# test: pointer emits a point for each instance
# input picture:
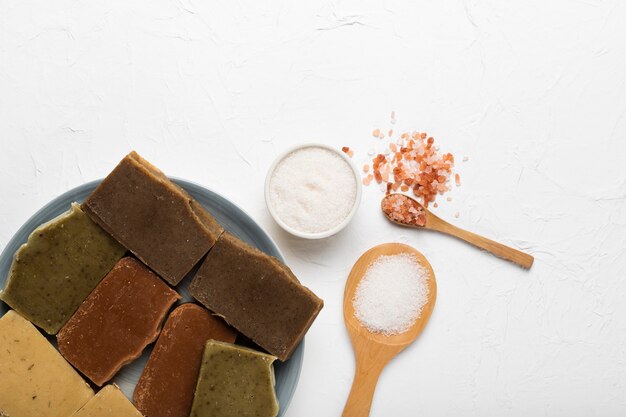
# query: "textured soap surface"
(56, 269)
(167, 383)
(256, 294)
(117, 321)
(153, 217)
(108, 402)
(235, 381)
(34, 379)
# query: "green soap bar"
(56, 269)
(235, 381)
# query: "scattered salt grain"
(313, 190)
(414, 161)
(391, 295)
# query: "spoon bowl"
(374, 350)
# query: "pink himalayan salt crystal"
(413, 161)
(348, 151)
(403, 209)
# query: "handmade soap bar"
(34, 379)
(117, 321)
(56, 269)
(166, 386)
(153, 217)
(235, 381)
(109, 402)
(256, 294)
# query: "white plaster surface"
(534, 92)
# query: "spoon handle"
(522, 259)
(360, 399)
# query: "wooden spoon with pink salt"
(405, 211)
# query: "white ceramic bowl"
(307, 235)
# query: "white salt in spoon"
(428, 220)
(374, 350)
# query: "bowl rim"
(344, 222)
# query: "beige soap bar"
(35, 380)
(109, 402)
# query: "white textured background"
(534, 92)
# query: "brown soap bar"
(256, 294)
(153, 217)
(120, 317)
(167, 383)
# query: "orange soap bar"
(167, 383)
(120, 317)
(256, 294)
(153, 217)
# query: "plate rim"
(184, 183)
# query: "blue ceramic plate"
(231, 217)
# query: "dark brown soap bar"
(153, 217)
(167, 383)
(120, 317)
(256, 294)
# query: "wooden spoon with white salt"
(405, 211)
(374, 350)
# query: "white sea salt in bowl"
(312, 190)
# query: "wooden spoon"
(421, 218)
(374, 350)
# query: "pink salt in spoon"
(405, 211)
